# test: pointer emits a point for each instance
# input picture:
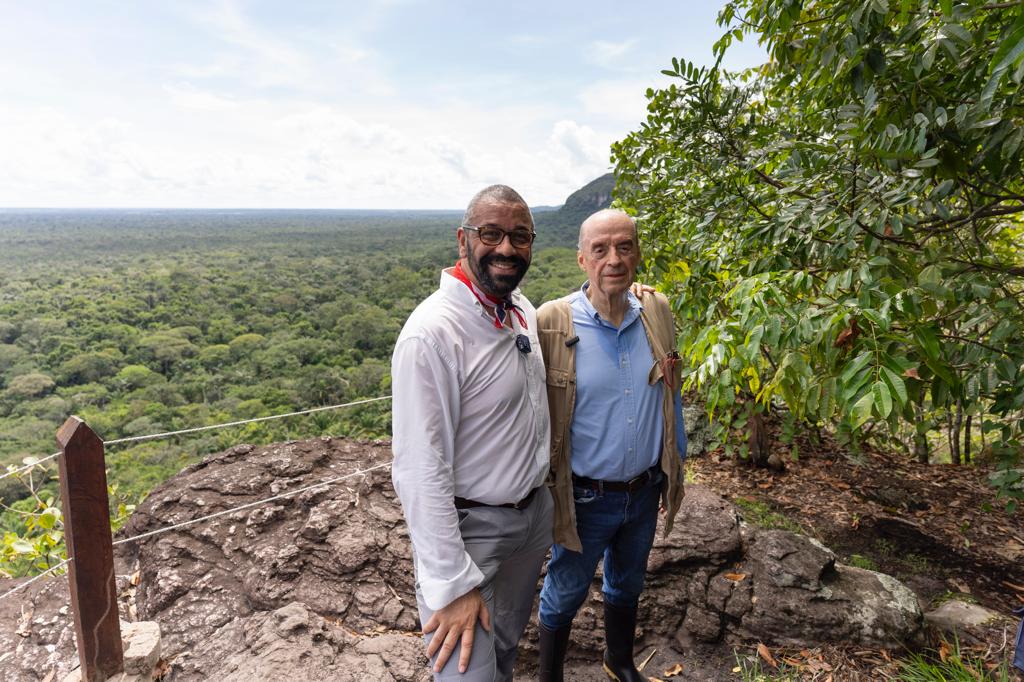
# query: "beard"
(502, 285)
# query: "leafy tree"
(11, 356)
(88, 367)
(243, 345)
(29, 386)
(840, 229)
(137, 376)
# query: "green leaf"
(930, 275)
(942, 190)
(929, 342)
(882, 398)
(857, 365)
(897, 385)
(941, 370)
(48, 518)
(876, 60)
(862, 409)
(22, 546)
(959, 32)
(1011, 48)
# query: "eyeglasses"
(493, 236)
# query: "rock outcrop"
(319, 585)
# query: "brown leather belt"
(463, 503)
(630, 486)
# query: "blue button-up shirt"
(617, 423)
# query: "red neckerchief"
(501, 306)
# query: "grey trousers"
(508, 546)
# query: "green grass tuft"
(761, 515)
(864, 562)
(956, 668)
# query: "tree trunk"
(967, 440)
(981, 431)
(954, 435)
(920, 439)
(758, 441)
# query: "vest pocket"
(557, 377)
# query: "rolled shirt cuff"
(439, 592)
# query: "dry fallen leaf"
(647, 660)
(944, 651)
(677, 669)
(763, 652)
(735, 577)
(848, 335)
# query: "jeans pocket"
(584, 495)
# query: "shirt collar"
(459, 292)
(634, 306)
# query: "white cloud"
(621, 102)
(606, 52)
(188, 96)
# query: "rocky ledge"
(319, 585)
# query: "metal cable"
(35, 578)
(248, 505)
(165, 434)
(29, 466)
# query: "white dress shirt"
(470, 419)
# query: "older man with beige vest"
(617, 441)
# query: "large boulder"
(37, 633)
(715, 576)
(335, 558)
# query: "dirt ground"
(938, 528)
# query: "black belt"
(463, 503)
(630, 486)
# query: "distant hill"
(561, 227)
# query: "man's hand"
(639, 289)
(458, 619)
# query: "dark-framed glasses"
(493, 236)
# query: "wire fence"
(249, 505)
(224, 512)
(34, 464)
(197, 429)
(31, 580)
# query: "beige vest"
(555, 327)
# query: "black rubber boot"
(553, 644)
(619, 631)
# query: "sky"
(396, 104)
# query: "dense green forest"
(149, 321)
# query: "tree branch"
(953, 337)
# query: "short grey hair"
(498, 194)
(608, 212)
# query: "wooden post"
(83, 492)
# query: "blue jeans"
(617, 525)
